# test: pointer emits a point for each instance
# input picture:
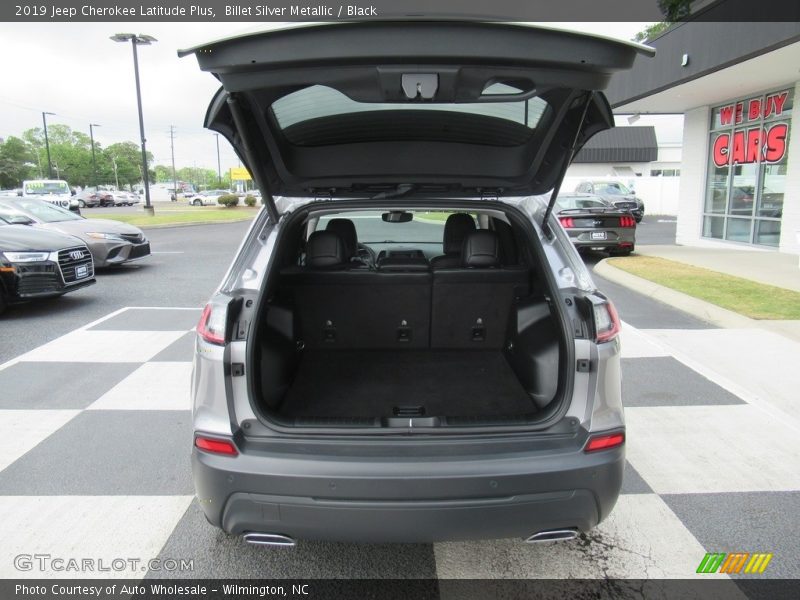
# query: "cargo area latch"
(237, 369)
(420, 85)
(584, 365)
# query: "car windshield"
(46, 187)
(612, 188)
(45, 212)
(425, 228)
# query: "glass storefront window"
(748, 154)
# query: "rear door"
(457, 108)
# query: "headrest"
(347, 231)
(324, 250)
(456, 228)
(481, 249)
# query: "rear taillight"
(627, 221)
(212, 324)
(216, 446)
(604, 442)
(567, 222)
(606, 322)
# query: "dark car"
(594, 224)
(407, 346)
(110, 242)
(615, 192)
(35, 263)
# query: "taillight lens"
(567, 222)
(627, 221)
(216, 446)
(212, 324)
(606, 322)
(604, 442)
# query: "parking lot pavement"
(94, 462)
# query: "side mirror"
(19, 193)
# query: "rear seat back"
(337, 306)
(471, 306)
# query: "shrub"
(250, 200)
(228, 200)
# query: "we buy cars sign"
(745, 145)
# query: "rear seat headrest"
(325, 250)
(347, 230)
(481, 249)
(456, 229)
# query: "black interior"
(348, 340)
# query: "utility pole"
(114, 162)
(47, 144)
(94, 160)
(219, 169)
(172, 148)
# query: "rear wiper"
(399, 191)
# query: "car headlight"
(105, 236)
(26, 257)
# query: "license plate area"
(598, 235)
(81, 271)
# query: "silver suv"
(407, 347)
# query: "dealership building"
(736, 85)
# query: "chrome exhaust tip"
(552, 535)
(268, 539)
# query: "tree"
(652, 31)
(16, 162)
(127, 156)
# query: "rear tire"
(197, 203)
(621, 252)
(81, 204)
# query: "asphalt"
(186, 266)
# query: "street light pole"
(94, 160)
(219, 168)
(47, 144)
(136, 40)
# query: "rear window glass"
(425, 228)
(322, 101)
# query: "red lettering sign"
(772, 105)
(745, 146)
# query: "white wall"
(693, 175)
(790, 224)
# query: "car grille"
(626, 205)
(68, 261)
(133, 238)
(38, 283)
(139, 251)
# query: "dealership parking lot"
(95, 438)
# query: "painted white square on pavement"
(153, 386)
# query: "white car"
(207, 198)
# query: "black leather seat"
(346, 229)
(456, 229)
(472, 304)
(338, 305)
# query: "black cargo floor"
(359, 383)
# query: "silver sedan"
(110, 242)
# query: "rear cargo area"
(388, 383)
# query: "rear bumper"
(419, 501)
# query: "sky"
(75, 71)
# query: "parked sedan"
(593, 224)
(111, 242)
(35, 263)
(122, 198)
(207, 198)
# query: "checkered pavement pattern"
(95, 432)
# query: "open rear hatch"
(457, 108)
